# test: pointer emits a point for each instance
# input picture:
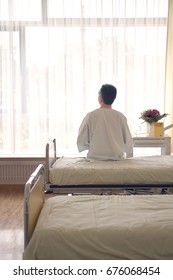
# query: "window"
(56, 54)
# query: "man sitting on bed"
(104, 132)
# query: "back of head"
(108, 93)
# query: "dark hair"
(108, 93)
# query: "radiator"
(17, 172)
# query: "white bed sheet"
(104, 227)
(143, 170)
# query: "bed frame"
(33, 201)
(34, 198)
(51, 157)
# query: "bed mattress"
(104, 227)
(143, 170)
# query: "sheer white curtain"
(169, 71)
(56, 54)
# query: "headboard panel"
(33, 201)
(50, 156)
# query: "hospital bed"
(99, 227)
(81, 175)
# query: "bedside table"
(163, 142)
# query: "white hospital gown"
(105, 134)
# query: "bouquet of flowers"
(152, 115)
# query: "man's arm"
(129, 147)
(128, 140)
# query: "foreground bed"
(96, 226)
(82, 175)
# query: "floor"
(11, 222)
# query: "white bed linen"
(104, 227)
(143, 170)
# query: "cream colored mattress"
(144, 170)
(104, 227)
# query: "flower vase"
(155, 129)
(150, 129)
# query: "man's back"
(105, 133)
